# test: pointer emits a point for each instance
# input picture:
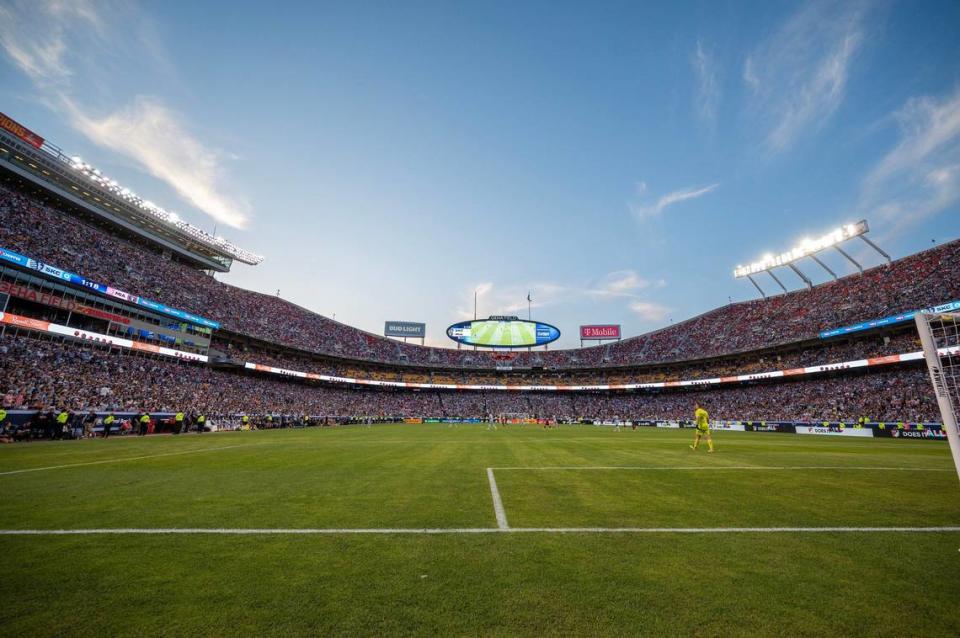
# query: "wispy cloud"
(57, 42)
(708, 83)
(151, 134)
(798, 74)
(920, 176)
(654, 209)
(626, 285)
(620, 283)
(649, 311)
(35, 34)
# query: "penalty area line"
(702, 468)
(498, 510)
(470, 530)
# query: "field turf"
(647, 559)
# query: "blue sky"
(616, 159)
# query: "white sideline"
(128, 458)
(497, 503)
(725, 467)
(472, 530)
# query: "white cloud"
(37, 34)
(798, 74)
(920, 176)
(620, 283)
(55, 42)
(649, 311)
(708, 83)
(151, 134)
(626, 285)
(648, 211)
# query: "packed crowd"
(816, 353)
(54, 375)
(43, 232)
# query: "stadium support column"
(824, 266)
(779, 283)
(801, 275)
(849, 258)
(756, 285)
(875, 247)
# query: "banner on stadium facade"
(56, 301)
(405, 329)
(600, 332)
(95, 337)
(10, 125)
(63, 275)
(834, 430)
(886, 321)
(172, 334)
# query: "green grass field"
(357, 561)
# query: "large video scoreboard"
(503, 332)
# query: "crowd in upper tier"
(817, 353)
(45, 233)
(50, 374)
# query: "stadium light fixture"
(805, 248)
(111, 186)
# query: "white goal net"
(940, 335)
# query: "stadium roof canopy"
(42, 163)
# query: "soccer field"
(426, 529)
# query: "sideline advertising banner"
(915, 433)
(835, 430)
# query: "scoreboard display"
(503, 332)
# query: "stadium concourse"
(81, 369)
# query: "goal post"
(940, 336)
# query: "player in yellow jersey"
(702, 420)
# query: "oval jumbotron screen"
(503, 332)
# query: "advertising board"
(405, 329)
(834, 430)
(600, 332)
(10, 125)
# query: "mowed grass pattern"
(433, 476)
(504, 333)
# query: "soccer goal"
(940, 335)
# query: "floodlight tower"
(809, 248)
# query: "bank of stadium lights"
(809, 248)
(219, 243)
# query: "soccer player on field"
(702, 420)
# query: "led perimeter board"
(503, 332)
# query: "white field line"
(728, 444)
(497, 503)
(128, 458)
(472, 530)
(725, 467)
